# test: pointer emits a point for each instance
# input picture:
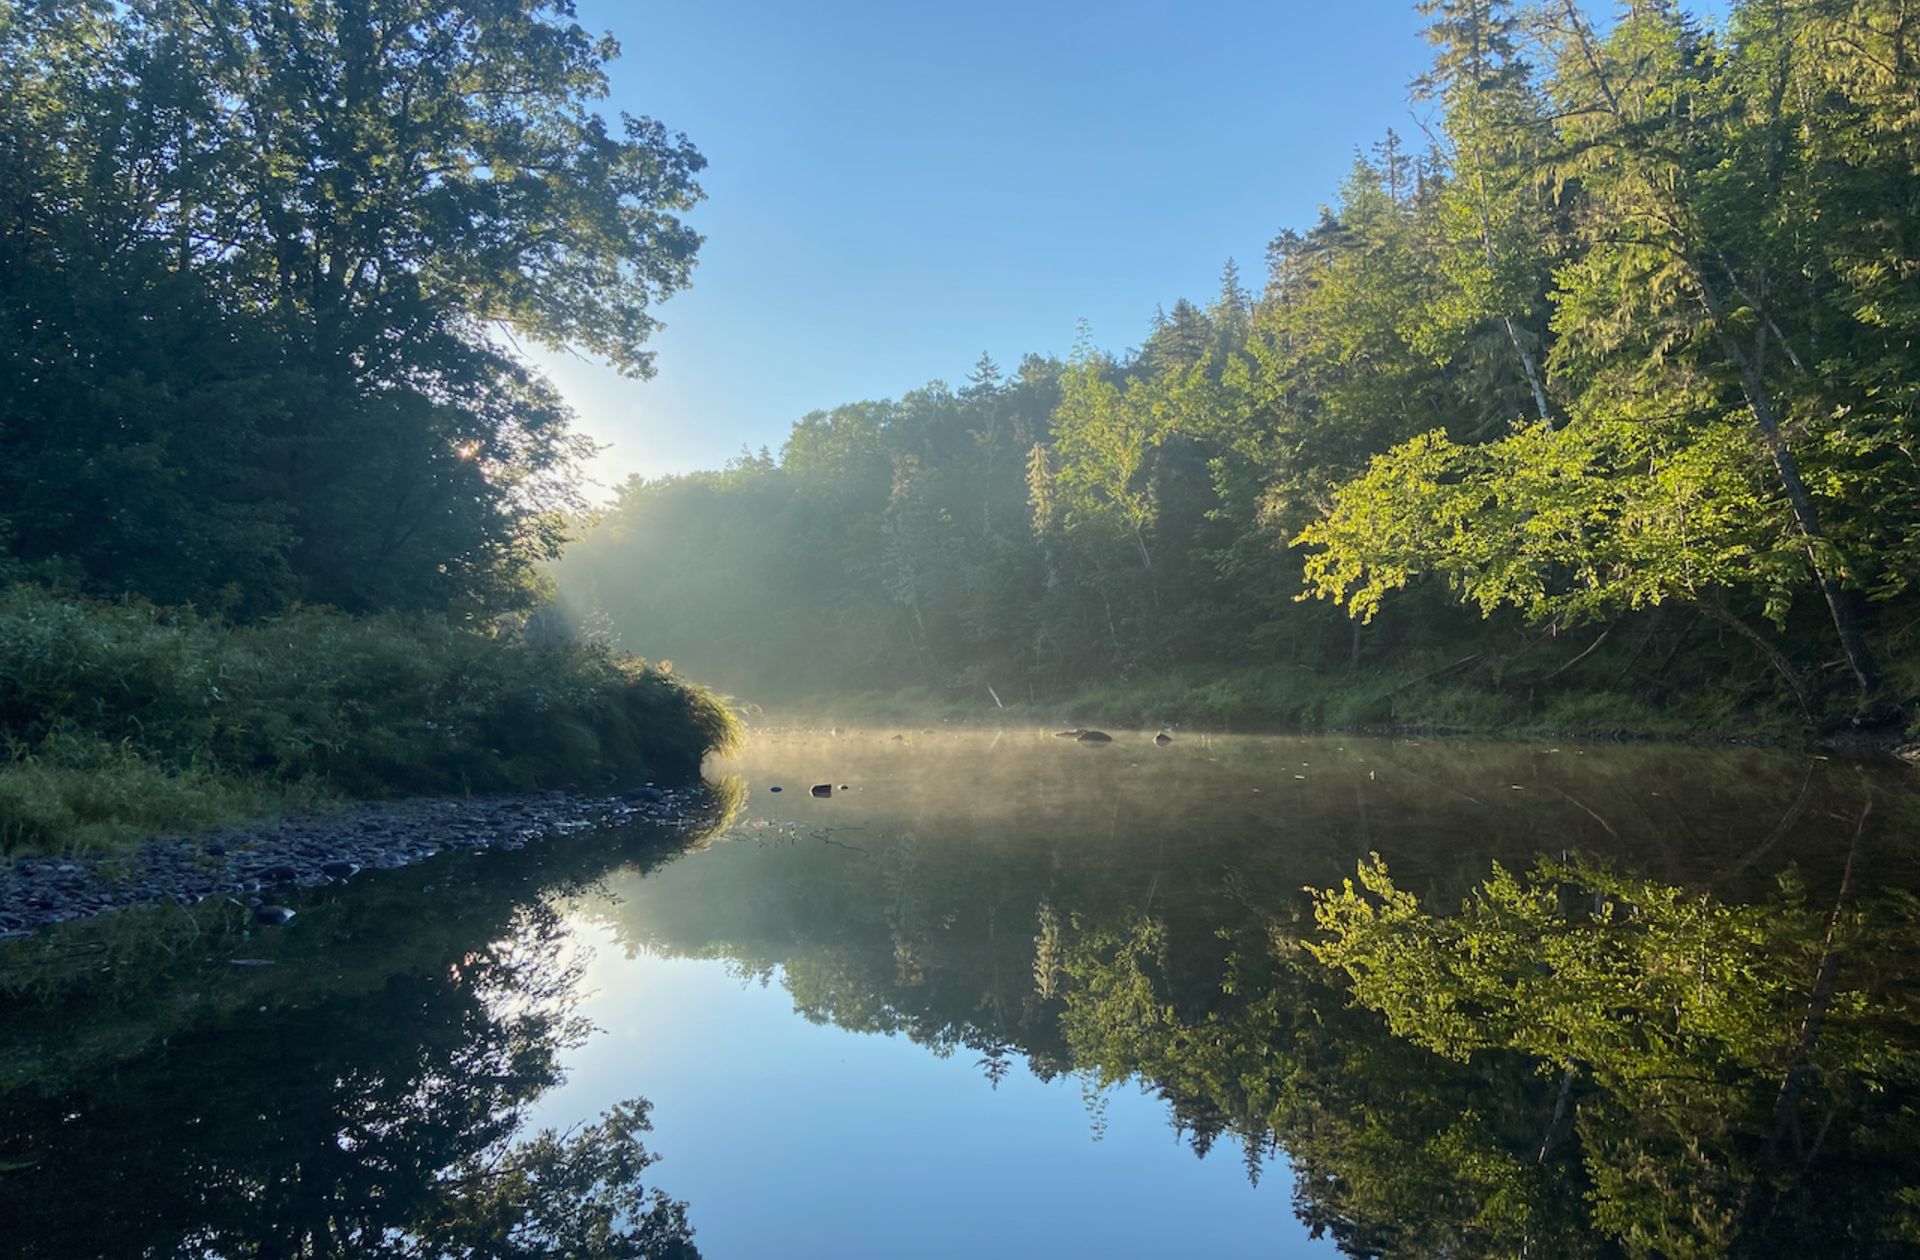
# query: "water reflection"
(355, 1089)
(1472, 1001)
(1492, 1051)
(1706, 1079)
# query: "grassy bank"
(126, 720)
(1432, 696)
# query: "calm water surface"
(1006, 994)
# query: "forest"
(377, 841)
(275, 484)
(1586, 405)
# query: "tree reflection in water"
(372, 1103)
(1493, 1054)
(1576, 1062)
(1465, 1051)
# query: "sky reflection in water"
(995, 996)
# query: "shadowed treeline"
(262, 271)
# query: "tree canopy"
(263, 265)
(1624, 339)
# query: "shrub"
(317, 701)
(88, 794)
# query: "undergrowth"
(127, 719)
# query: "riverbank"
(259, 866)
(125, 721)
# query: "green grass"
(86, 795)
(125, 720)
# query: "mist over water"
(382, 873)
(1000, 985)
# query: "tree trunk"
(1793, 1083)
(1775, 657)
(1530, 368)
(1806, 515)
(1839, 606)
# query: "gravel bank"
(251, 864)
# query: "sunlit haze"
(853, 630)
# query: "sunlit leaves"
(1565, 525)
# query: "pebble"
(307, 852)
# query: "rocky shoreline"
(254, 864)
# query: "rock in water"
(1163, 739)
(776, 788)
(341, 870)
(822, 789)
(1095, 737)
(273, 916)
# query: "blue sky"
(895, 187)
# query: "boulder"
(1095, 737)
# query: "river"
(1003, 993)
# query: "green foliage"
(129, 718)
(1565, 525)
(84, 793)
(251, 260)
(1627, 345)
